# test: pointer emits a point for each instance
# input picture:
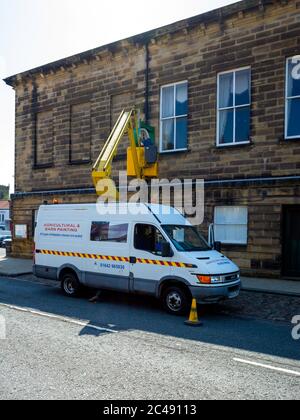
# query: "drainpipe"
(34, 103)
(147, 71)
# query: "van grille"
(231, 277)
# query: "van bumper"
(49, 273)
(216, 293)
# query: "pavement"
(11, 267)
(281, 287)
(14, 267)
(128, 348)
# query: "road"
(128, 348)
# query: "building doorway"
(291, 242)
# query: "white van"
(144, 249)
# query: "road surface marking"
(58, 318)
(248, 362)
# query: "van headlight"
(209, 279)
(216, 279)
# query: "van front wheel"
(70, 285)
(176, 300)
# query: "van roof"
(132, 211)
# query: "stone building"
(223, 92)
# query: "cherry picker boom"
(142, 156)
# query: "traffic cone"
(194, 320)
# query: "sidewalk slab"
(278, 287)
(14, 267)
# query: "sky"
(36, 32)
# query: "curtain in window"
(226, 126)
(168, 134)
(181, 99)
(226, 91)
(168, 102)
(231, 225)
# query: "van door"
(148, 266)
(108, 265)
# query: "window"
(148, 238)
(231, 225)
(186, 238)
(174, 117)
(234, 100)
(21, 232)
(292, 121)
(109, 232)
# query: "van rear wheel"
(176, 300)
(70, 285)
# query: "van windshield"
(186, 238)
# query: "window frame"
(287, 99)
(234, 107)
(233, 224)
(173, 118)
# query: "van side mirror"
(166, 250)
(218, 246)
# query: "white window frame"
(174, 118)
(287, 99)
(234, 107)
(235, 224)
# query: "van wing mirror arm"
(167, 251)
(211, 235)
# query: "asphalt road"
(128, 348)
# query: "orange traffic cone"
(194, 320)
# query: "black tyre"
(176, 300)
(70, 284)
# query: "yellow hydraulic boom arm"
(127, 123)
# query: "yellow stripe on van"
(113, 258)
